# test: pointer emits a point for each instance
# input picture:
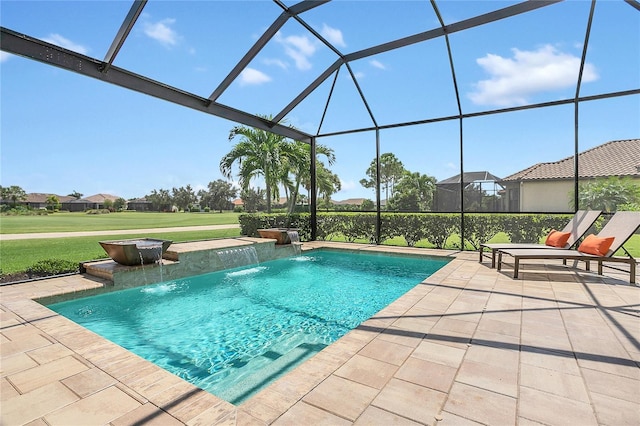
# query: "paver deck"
(468, 346)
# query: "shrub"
(207, 209)
(52, 267)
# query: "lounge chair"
(577, 226)
(621, 227)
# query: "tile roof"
(41, 197)
(615, 158)
(100, 198)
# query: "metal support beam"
(123, 32)
(262, 41)
(378, 207)
(313, 202)
(38, 50)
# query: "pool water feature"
(233, 332)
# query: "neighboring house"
(139, 205)
(548, 187)
(38, 200)
(77, 205)
(447, 196)
(349, 202)
(99, 199)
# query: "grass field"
(69, 222)
(17, 255)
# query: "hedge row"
(436, 228)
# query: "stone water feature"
(282, 236)
(185, 259)
(139, 251)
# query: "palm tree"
(258, 153)
(300, 166)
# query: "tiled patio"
(468, 346)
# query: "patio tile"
(611, 385)
(7, 390)
(410, 400)
(555, 382)
(498, 327)
(441, 354)
(341, 397)
(498, 379)
(614, 411)
(42, 375)
(550, 409)
(367, 371)
(501, 357)
(450, 419)
(428, 374)
(481, 405)
(22, 342)
(147, 414)
(16, 363)
(221, 414)
(305, 414)
(392, 353)
(89, 382)
(401, 336)
(374, 416)
(558, 361)
(32, 405)
(49, 353)
(100, 408)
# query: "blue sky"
(62, 132)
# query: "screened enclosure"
(449, 88)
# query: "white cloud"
(298, 48)
(276, 62)
(58, 40)
(162, 32)
(513, 80)
(251, 76)
(4, 56)
(377, 64)
(333, 36)
(348, 185)
(359, 75)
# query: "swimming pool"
(233, 332)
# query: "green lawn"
(68, 222)
(18, 255)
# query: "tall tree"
(13, 193)
(161, 200)
(75, 194)
(391, 170)
(414, 192)
(253, 199)
(220, 195)
(257, 153)
(300, 166)
(53, 202)
(183, 197)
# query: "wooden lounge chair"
(577, 226)
(621, 227)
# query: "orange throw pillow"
(557, 238)
(598, 246)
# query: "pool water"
(233, 332)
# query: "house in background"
(38, 200)
(481, 192)
(548, 187)
(139, 205)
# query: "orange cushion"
(557, 238)
(598, 246)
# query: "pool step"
(279, 365)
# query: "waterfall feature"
(294, 239)
(238, 256)
(150, 252)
